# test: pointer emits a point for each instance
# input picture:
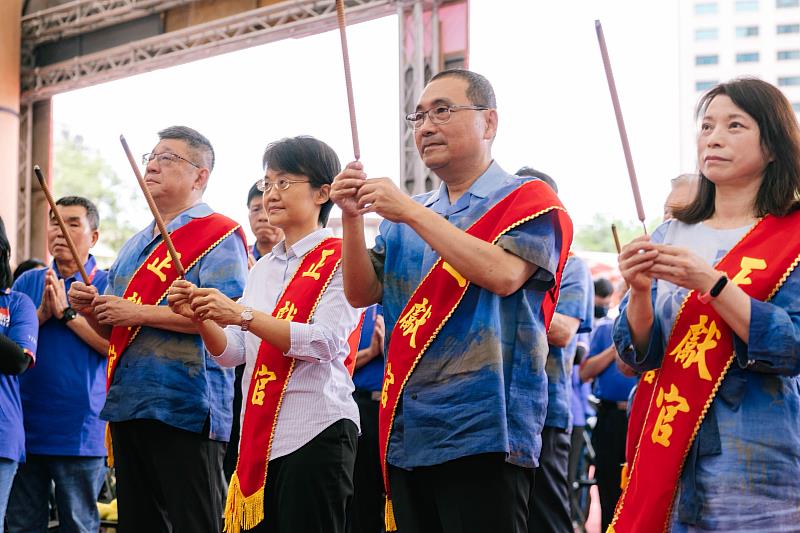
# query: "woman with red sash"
(291, 329)
(712, 319)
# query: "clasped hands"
(107, 309)
(357, 195)
(194, 303)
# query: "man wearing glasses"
(465, 391)
(168, 404)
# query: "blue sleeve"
(537, 241)
(377, 254)
(24, 327)
(601, 338)
(576, 297)
(774, 346)
(225, 267)
(25, 284)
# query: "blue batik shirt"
(68, 383)
(576, 300)
(481, 385)
(168, 376)
(742, 472)
(19, 323)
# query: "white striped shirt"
(320, 389)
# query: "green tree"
(81, 171)
(596, 237)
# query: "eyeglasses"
(165, 159)
(282, 184)
(439, 114)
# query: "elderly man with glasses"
(468, 277)
(169, 404)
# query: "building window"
(706, 34)
(704, 85)
(788, 28)
(787, 55)
(743, 6)
(706, 60)
(746, 31)
(787, 3)
(705, 8)
(747, 57)
(789, 81)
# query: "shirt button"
(414, 396)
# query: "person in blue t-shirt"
(68, 385)
(367, 506)
(18, 333)
(613, 381)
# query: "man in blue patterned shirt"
(169, 404)
(466, 432)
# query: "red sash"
(671, 402)
(435, 300)
(271, 372)
(151, 281)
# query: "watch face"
(69, 314)
(247, 315)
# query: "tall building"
(724, 39)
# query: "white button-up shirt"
(320, 388)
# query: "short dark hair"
(91, 210)
(479, 90)
(530, 171)
(6, 279)
(307, 156)
(197, 142)
(780, 136)
(603, 288)
(253, 193)
(28, 264)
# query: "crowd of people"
(438, 381)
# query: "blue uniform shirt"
(610, 384)
(18, 322)
(67, 384)
(370, 376)
(168, 376)
(481, 385)
(576, 300)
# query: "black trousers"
(608, 439)
(476, 494)
(550, 499)
(368, 498)
(311, 489)
(168, 479)
(232, 452)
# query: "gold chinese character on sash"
(416, 317)
(662, 430)
(453, 272)
(287, 312)
(388, 379)
(697, 341)
(158, 266)
(112, 356)
(262, 377)
(748, 265)
(649, 376)
(135, 298)
(312, 271)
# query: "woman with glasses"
(19, 331)
(712, 319)
(291, 328)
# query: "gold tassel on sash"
(623, 478)
(109, 448)
(240, 511)
(391, 525)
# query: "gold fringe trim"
(242, 512)
(623, 478)
(391, 525)
(109, 447)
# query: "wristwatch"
(69, 314)
(247, 317)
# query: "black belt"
(613, 406)
(361, 394)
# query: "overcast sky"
(541, 56)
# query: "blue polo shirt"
(610, 384)
(370, 376)
(481, 385)
(18, 322)
(576, 300)
(68, 383)
(168, 376)
(255, 252)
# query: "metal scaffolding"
(25, 171)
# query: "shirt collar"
(303, 246)
(90, 266)
(196, 211)
(487, 182)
